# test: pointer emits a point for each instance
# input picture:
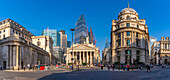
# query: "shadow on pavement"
(91, 75)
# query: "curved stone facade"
(129, 38)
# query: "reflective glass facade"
(52, 34)
(80, 30)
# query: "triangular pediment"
(84, 47)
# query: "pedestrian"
(141, 67)
(38, 66)
(119, 66)
(112, 67)
(132, 67)
(162, 66)
(33, 67)
(148, 68)
(24, 67)
(127, 67)
(101, 67)
(1, 67)
(28, 65)
(109, 67)
(124, 67)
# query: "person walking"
(102, 67)
(127, 67)
(109, 67)
(132, 67)
(124, 67)
(112, 67)
(148, 68)
(141, 67)
(28, 65)
(24, 67)
(1, 67)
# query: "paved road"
(88, 74)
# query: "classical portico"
(83, 53)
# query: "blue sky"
(36, 15)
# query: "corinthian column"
(90, 57)
(83, 57)
(80, 58)
(87, 58)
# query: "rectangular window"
(119, 35)
(4, 30)
(119, 43)
(0, 32)
(127, 33)
(4, 36)
(128, 42)
(136, 34)
(137, 43)
(137, 26)
(128, 24)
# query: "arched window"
(128, 18)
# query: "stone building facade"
(161, 52)
(106, 56)
(83, 53)
(129, 38)
(46, 43)
(17, 48)
(154, 51)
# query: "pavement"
(88, 73)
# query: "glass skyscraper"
(55, 35)
(80, 30)
(52, 34)
(59, 39)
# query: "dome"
(127, 10)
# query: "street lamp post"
(72, 46)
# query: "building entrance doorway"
(4, 64)
(22, 64)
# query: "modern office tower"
(52, 33)
(80, 30)
(59, 39)
(91, 37)
(107, 43)
(68, 44)
(64, 44)
(129, 38)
